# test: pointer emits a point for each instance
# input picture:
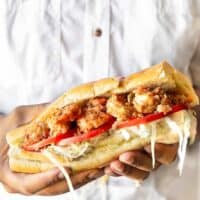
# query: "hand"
(46, 183)
(138, 164)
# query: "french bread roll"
(112, 143)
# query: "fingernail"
(61, 175)
(119, 168)
(130, 159)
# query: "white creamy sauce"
(183, 138)
(144, 130)
(65, 173)
(141, 130)
(125, 134)
(153, 141)
(186, 130)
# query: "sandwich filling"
(76, 125)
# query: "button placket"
(96, 40)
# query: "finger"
(9, 189)
(27, 113)
(130, 172)
(108, 171)
(24, 114)
(138, 159)
(54, 189)
(36, 182)
(164, 153)
(77, 181)
(30, 184)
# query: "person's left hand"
(49, 182)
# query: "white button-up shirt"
(48, 46)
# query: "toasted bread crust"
(28, 166)
(158, 75)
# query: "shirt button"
(98, 32)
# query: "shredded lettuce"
(153, 141)
(77, 150)
(73, 151)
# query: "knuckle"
(26, 189)
(108, 171)
(129, 154)
(142, 176)
(137, 174)
(9, 190)
(53, 180)
(117, 166)
(135, 159)
(17, 110)
(148, 148)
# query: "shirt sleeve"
(195, 67)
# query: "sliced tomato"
(86, 136)
(50, 140)
(68, 138)
(150, 117)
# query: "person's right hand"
(46, 183)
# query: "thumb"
(36, 182)
(31, 183)
(22, 115)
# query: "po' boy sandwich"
(92, 124)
